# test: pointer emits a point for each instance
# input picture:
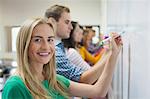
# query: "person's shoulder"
(82, 48)
(14, 87)
(58, 51)
(73, 53)
(14, 79)
(72, 50)
(13, 82)
(57, 48)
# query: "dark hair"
(70, 42)
(88, 27)
(55, 11)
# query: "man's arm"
(66, 68)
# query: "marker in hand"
(105, 40)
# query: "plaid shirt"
(65, 67)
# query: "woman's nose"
(45, 45)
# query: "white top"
(76, 58)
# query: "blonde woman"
(36, 76)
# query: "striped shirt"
(76, 58)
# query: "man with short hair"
(60, 17)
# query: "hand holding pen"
(118, 36)
(106, 43)
(116, 43)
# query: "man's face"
(64, 26)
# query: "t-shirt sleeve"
(14, 88)
(63, 80)
(12, 91)
(67, 68)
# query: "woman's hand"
(116, 43)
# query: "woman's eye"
(37, 40)
(50, 40)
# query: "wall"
(85, 11)
(16, 11)
(132, 16)
(0, 24)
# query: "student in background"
(86, 44)
(36, 77)
(89, 41)
(88, 36)
(72, 46)
(60, 16)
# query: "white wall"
(0, 11)
(86, 12)
(0, 24)
(16, 11)
(132, 16)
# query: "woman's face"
(41, 47)
(78, 34)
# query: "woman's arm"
(91, 91)
(100, 88)
(91, 75)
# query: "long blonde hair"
(49, 70)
